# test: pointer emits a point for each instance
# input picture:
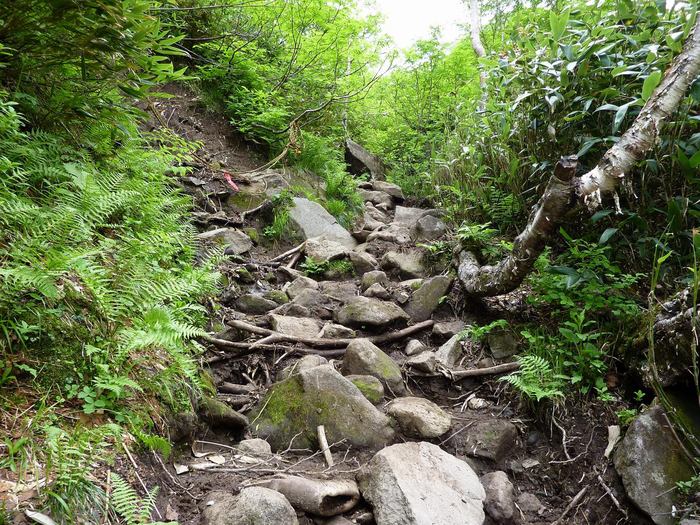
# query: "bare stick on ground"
(323, 445)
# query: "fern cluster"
(132, 508)
(98, 286)
(536, 379)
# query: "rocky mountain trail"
(351, 395)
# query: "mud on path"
(549, 457)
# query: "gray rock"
(295, 326)
(312, 220)
(408, 217)
(448, 329)
(364, 358)
(420, 484)
(374, 277)
(499, 502)
(323, 250)
(367, 311)
(409, 263)
(360, 161)
(389, 188)
(362, 262)
(423, 362)
(492, 439)
(529, 503)
(219, 414)
(254, 447)
(253, 506)
(319, 396)
(426, 299)
(448, 354)
(298, 285)
(378, 291)
(377, 215)
(414, 346)
(394, 233)
(255, 304)
(341, 291)
(419, 418)
(277, 296)
(370, 386)
(336, 331)
(292, 309)
(236, 241)
(428, 228)
(313, 300)
(650, 462)
(378, 198)
(502, 344)
(412, 284)
(305, 363)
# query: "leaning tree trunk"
(565, 191)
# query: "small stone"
(414, 346)
(448, 329)
(367, 311)
(362, 262)
(448, 354)
(277, 296)
(427, 298)
(295, 326)
(324, 250)
(362, 357)
(254, 447)
(499, 496)
(374, 277)
(370, 386)
(492, 439)
(409, 264)
(423, 362)
(253, 506)
(378, 291)
(477, 403)
(336, 331)
(530, 463)
(502, 344)
(298, 285)
(305, 363)
(419, 418)
(529, 503)
(255, 304)
(293, 310)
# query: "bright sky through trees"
(410, 20)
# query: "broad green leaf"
(607, 234)
(650, 84)
(694, 161)
(619, 117)
(599, 215)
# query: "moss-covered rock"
(277, 296)
(367, 311)
(295, 407)
(362, 357)
(219, 414)
(427, 298)
(370, 386)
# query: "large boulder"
(650, 462)
(294, 408)
(367, 311)
(312, 220)
(499, 503)
(426, 299)
(420, 484)
(253, 506)
(324, 250)
(387, 187)
(428, 228)
(364, 358)
(419, 418)
(408, 217)
(360, 161)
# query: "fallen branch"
(288, 253)
(273, 337)
(267, 204)
(577, 499)
(476, 372)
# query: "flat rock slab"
(408, 217)
(324, 250)
(420, 484)
(341, 291)
(295, 326)
(294, 408)
(409, 263)
(298, 285)
(650, 462)
(312, 220)
(368, 311)
(418, 417)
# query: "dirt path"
(490, 429)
